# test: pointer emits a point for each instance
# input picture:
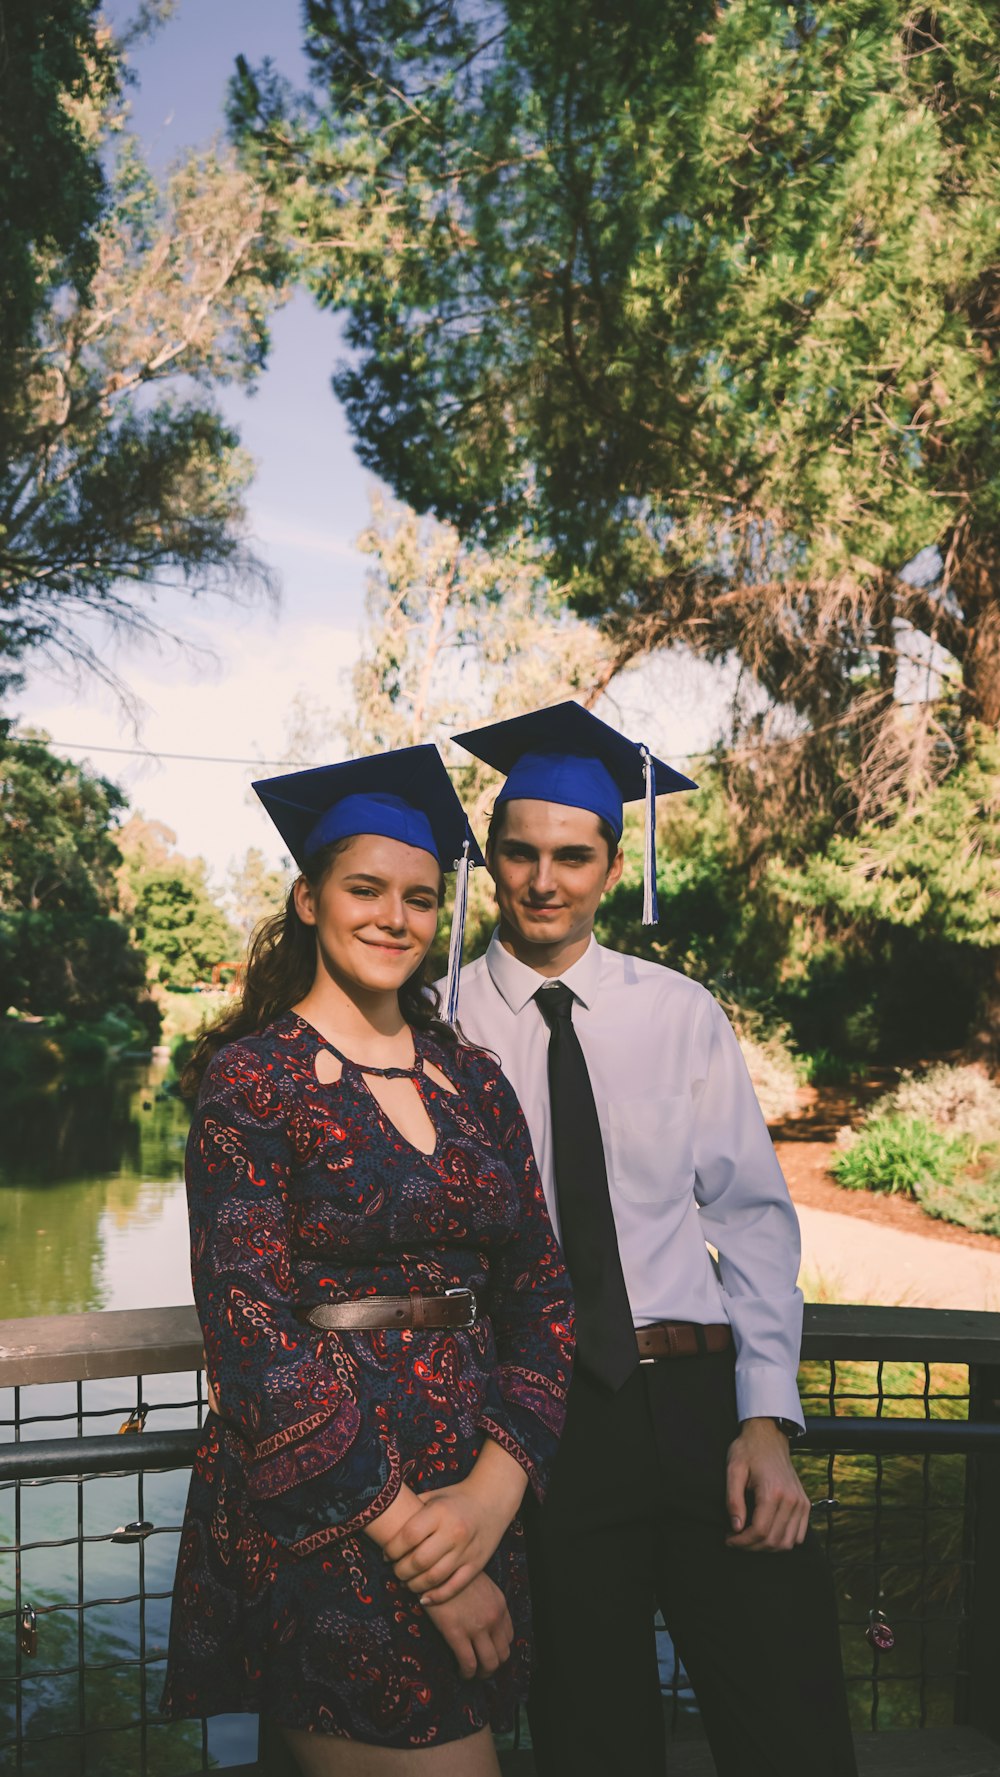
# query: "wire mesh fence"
(86, 1572)
(87, 1559)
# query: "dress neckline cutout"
(412, 1072)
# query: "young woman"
(385, 1313)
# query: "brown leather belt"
(455, 1308)
(681, 1338)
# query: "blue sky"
(229, 693)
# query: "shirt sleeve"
(748, 1216)
(531, 1308)
(316, 1465)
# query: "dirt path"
(869, 1246)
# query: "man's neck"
(546, 959)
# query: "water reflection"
(91, 1196)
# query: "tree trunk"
(984, 1039)
(981, 662)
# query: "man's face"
(550, 865)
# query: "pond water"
(92, 1207)
(93, 1216)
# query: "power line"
(24, 740)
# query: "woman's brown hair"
(281, 968)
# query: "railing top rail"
(111, 1342)
(154, 1341)
(917, 1335)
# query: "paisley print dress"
(301, 1192)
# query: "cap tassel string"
(462, 868)
(650, 910)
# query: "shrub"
(823, 1067)
(959, 1100)
(971, 1203)
(903, 1155)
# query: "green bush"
(970, 1203)
(902, 1155)
(824, 1067)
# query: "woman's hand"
(477, 1627)
(444, 1544)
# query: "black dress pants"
(635, 1517)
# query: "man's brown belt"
(455, 1308)
(681, 1338)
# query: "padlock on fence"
(28, 1631)
(878, 1633)
(136, 1532)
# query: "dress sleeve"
(531, 1308)
(316, 1466)
(748, 1216)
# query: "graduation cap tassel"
(650, 911)
(462, 868)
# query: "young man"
(673, 1484)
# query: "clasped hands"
(439, 1544)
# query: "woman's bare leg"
(324, 1755)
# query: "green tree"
(58, 66)
(910, 908)
(707, 297)
(64, 948)
(180, 925)
(117, 469)
(254, 892)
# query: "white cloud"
(306, 538)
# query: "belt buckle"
(461, 1290)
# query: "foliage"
(58, 65)
(936, 866)
(958, 1100)
(457, 635)
(64, 949)
(174, 914)
(904, 1155)
(710, 926)
(706, 299)
(117, 470)
(181, 928)
(254, 892)
(972, 1203)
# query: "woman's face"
(375, 912)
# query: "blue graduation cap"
(405, 795)
(564, 754)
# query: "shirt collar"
(518, 982)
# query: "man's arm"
(748, 1216)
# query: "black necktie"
(605, 1336)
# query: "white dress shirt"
(689, 1158)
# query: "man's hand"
(759, 1463)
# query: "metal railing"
(903, 1411)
